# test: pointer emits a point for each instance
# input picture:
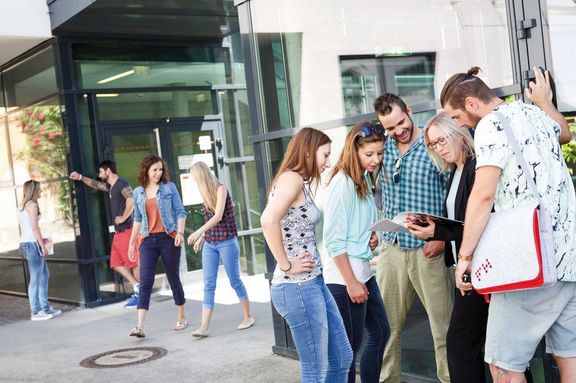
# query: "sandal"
(137, 332)
(180, 325)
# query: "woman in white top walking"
(32, 247)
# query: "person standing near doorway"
(408, 265)
(33, 247)
(218, 239)
(122, 206)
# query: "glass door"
(180, 144)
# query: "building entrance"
(180, 143)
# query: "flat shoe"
(200, 333)
(246, 323)
(180, 325)
(137, 332)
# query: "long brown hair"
(349, 163)
(31, 191)
(462, 85)
(300, 155)
(207, 184)
(145, 165)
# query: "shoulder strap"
(518, 153)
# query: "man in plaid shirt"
(408, 265)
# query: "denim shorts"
(518, 320)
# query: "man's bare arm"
(97, 185)
(128, 196)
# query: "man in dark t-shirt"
(122, 205)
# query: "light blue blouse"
(347, 218)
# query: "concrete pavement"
(50, 351)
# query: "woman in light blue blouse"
(349, 212)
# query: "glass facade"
(34, 145)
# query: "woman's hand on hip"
(302, 263)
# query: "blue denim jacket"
(169, 205)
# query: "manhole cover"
(123, 357)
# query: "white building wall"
(462, 34)
(23, 25)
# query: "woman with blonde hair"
(298, 291)
(33, 247)
(349, 212)
(451, 148)
(218, 240)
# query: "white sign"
(205, 142)
(184, 162)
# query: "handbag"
(516, 249)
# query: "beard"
(409, 130)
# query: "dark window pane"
(12, 276)
(31, 79)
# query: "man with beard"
(407, 265)
(121, 205)
(551, 310)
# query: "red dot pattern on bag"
(485, 266)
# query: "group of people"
(149, 224)
(330, 303)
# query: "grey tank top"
(299, 234)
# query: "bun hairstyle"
(463, 85)
(473, 71)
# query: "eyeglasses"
(397, 166)
(369, 130)
(440, 141)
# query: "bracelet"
(466, 258)
(80, 177)
(288, 269)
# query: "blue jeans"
(371, 316)
(317, 329)
(154, 246)
(39, 275)
(229, 251)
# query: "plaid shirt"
(420, 188)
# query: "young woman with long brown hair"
(348, 214)
(298, 291)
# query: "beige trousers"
(400, 275)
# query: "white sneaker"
(52, 311)
(41, 315)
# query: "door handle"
(157, 134)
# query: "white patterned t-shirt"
(537, 135)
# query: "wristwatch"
(467, 258)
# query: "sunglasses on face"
(440, 141)
(397, 166)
